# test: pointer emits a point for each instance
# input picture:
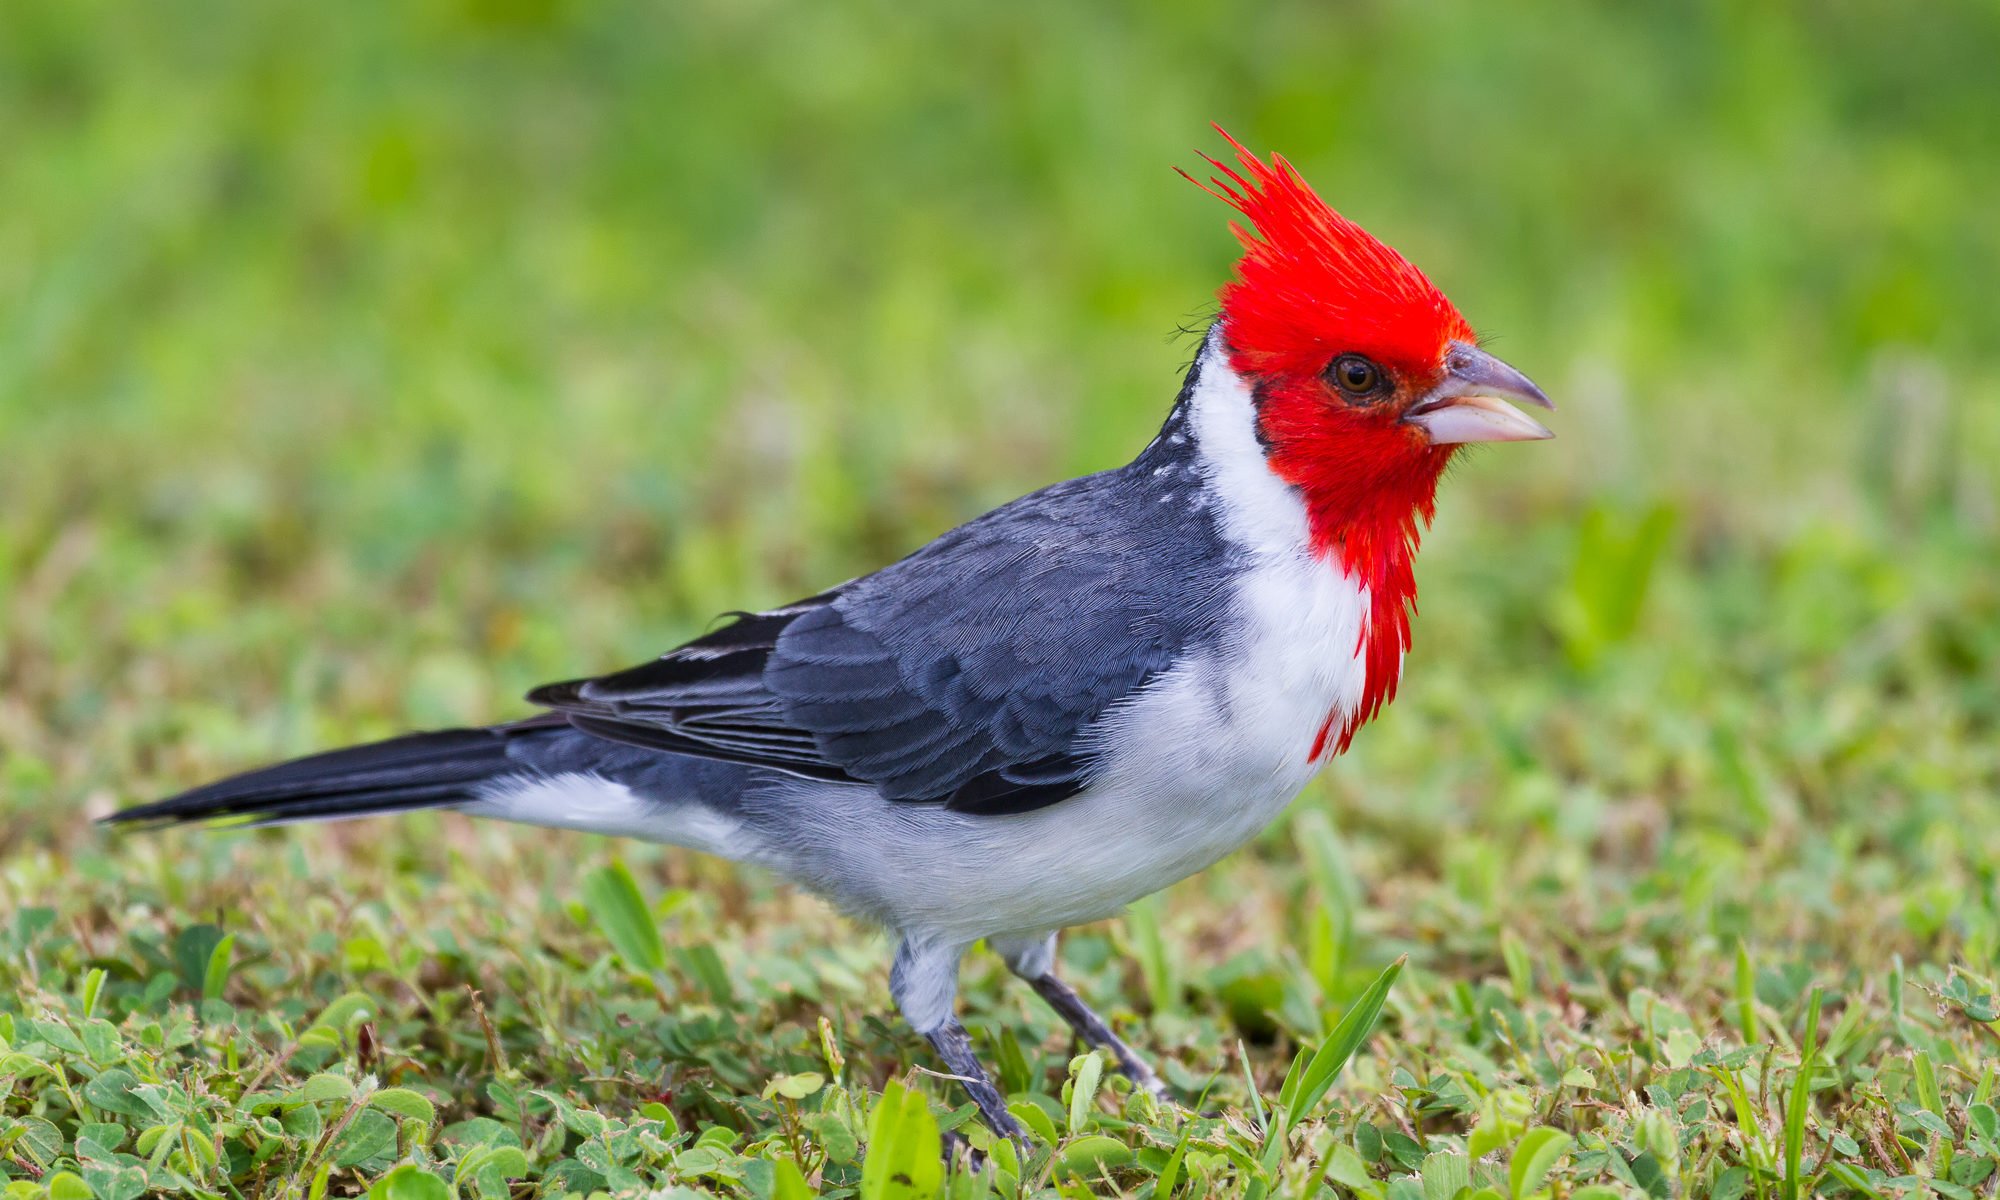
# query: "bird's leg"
(924, 982)
(954, 1046)
(1034, 959)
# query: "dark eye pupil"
(1356, 374)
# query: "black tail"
(418, 770)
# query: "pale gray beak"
(1470, 403)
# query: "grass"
(361, 367)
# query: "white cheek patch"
(1257, 510)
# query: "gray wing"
(964, 674)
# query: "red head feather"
(1313, 286)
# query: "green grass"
(363, 365)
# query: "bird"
(1061, 706)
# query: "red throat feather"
(1312, 286)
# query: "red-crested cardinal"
(1061, 706)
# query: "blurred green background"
(361, 365)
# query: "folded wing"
(965, 674)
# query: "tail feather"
(418, 770)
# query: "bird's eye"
(1355, 375)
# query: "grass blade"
(1746, 995)
(614, 902)
(1801, 1099)
(1341, 1044)
(215, 976)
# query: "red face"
(1366, 376)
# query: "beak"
(1470, 403)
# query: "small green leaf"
(150, 1137)
(1035, 1119)
(794, 1087)
(106, 1135)
(1444, 1173)
(835, 1136)
(410, 1182)
(114, 1181)
(59, 1035)
(65, 1186)
(1681, 1047)
(372, 1135)
(112, 1092)
(1089, 1070)
(719, 1136)
(326, 1087)
(302, 1120)
(786, 1181)
(1534, 1156)
(591, 1124)
(1086, 1154)
(489, 1167)
(363, 954)
(1346, 1168)
(1931, 1121)
(905, 1153)
(404, 1103)
(613, 898)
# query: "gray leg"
(924, 982)
(1034, 960)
